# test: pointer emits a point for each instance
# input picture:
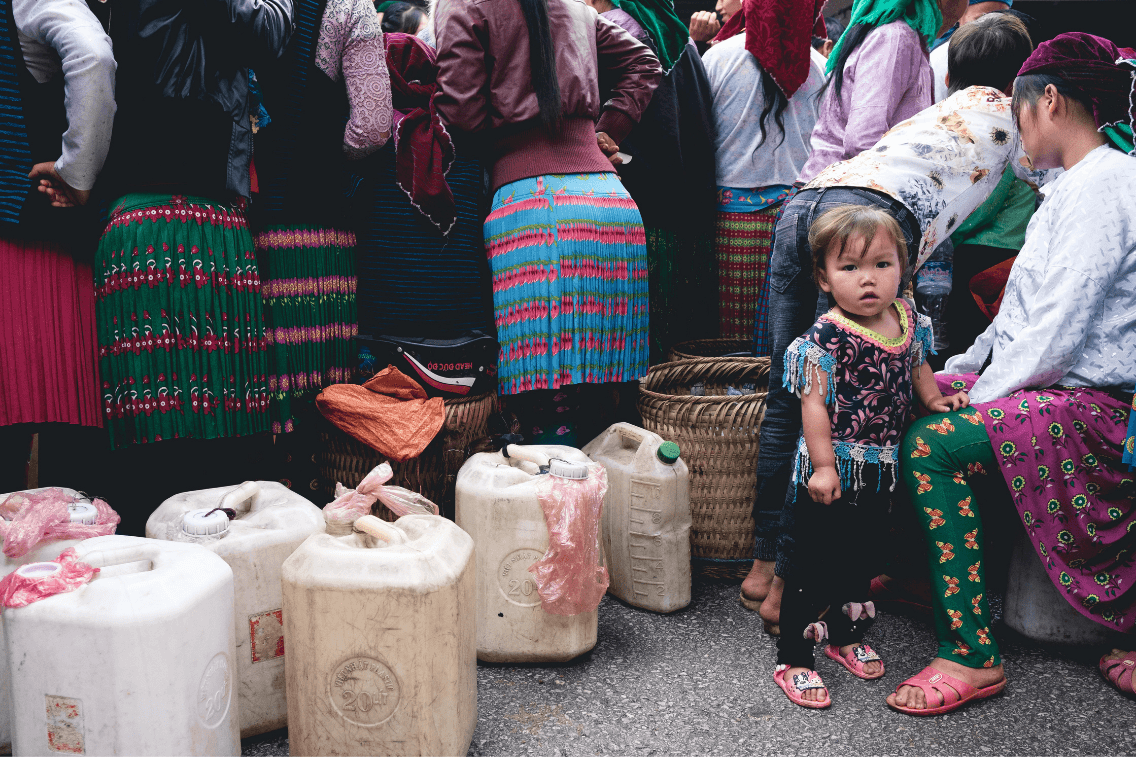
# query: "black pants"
(838, 549)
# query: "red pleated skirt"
(48, 352)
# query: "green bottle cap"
(668, 452)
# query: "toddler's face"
(863, 284)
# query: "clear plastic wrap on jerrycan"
(271, 521)
(82, 511)
(139, 661)
(496, 503)
(381, 646)
(646, 517)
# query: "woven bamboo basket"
(718, 434)
(696, 348)
(433, 473)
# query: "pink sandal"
(801, 683)
(855, 660)
(953, 692)
(1120, 673)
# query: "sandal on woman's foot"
(750, 604)
(953, 693)
(856, 659)
(1120, 672)
(801, 683)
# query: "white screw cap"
(204, 522)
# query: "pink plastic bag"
(41, 516)
(41, 582)
(570, 578)
(351, 504)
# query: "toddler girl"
(855, 370)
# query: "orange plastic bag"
(570, 577)
(390, 413)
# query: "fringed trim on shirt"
(851, 458)
(924, 341)
(802, 359)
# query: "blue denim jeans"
(795, 304)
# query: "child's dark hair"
(988, 52)
(831, 233)
(403, 17)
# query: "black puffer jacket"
(182, 89)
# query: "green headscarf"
(659, 19)
(923, 16)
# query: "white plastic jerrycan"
(271, 521)
(496, 502)
(646, 517)
(381, 641)
(82, 511)
(137, 661)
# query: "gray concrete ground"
(699, 681)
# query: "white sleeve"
(1061, 315)
(84, 48)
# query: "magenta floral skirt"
(1060, 453)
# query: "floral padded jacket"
(942, 163)
(870, 389)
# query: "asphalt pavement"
(699, 681)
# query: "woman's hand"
(824, 485)
(703, 26)
(59, 192)
(956, 401)
(609, 148)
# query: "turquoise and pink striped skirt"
(569, 262)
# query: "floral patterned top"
(870, 389)
(942, 163)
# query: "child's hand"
(956, 401)
(824, 485)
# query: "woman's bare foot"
(912, 697)
(809, 695)
(756, 585)
(871, 668)
(771, 607)
(1116, 654)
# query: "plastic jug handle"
(240, 499)
(380, 529)
(513, 452)
(106, 558)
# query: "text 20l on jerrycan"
(496, 503)
(381, 645)
(138, 661)
(271, 521)
(82, 511)
(646, 517)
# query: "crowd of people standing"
(207, 207)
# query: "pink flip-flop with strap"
(801, 683)
(953, 693)
(1120, 673)
(855, 660)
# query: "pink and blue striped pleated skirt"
(569, 262)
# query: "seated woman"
(1050, 408)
